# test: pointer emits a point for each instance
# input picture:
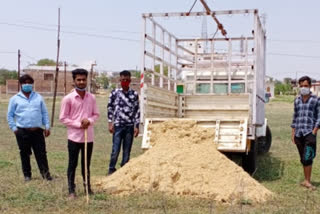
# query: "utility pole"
(91, 77)
(65, 77)
(57, 71)
(19, 56)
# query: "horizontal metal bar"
(166, 48)
(215, 39)
(162, 28)
(186, 14)
(160, 60)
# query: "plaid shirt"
(123, 108)
(306, 115)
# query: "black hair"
(125, 73)
(304, 78)
(79, 71)
(24, 78)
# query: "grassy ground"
(279, 171)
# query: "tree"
(7, 74)
(103, 81)
(283, 88)
(165, 69)
(46, 62)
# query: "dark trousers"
(32, 140)
(74, 149)
(307, 147)
(122, 135)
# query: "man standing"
(124, 119)
(305, 124)
(27, 113)
(79, 112)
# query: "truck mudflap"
(230, 135)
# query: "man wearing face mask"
(78, 112)
(305, 125)
(124, 119)
(27, 114)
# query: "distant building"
(44, 77)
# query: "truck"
(217, 81)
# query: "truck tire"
(264, 143)
(249, 161)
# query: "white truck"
(218, 81)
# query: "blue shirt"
(26, 112)
(306, 115)
(123, 108)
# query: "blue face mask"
(26, 88)
(80, 89)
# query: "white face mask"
(304, 91)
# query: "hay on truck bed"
(184, 161)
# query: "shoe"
(27, 178)
(47, 176)
(72, 196)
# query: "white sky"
(292, 30)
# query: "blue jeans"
(122, 135)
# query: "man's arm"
(110, 108)
(11, 114)
(85, 123)
(64, 116)
(45, 118)
(294, 121)
(136, 116)
(317, 126)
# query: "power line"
(72, 32)
(294, 41)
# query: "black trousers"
(32, 140)
(74, 149)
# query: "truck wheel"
(264, 143)
(249, 161)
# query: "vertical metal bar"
(212, 66)
(169, 66)
(177, 69)
(255, 54)
(153, 50)
(247, 64)
(162, 59)
(142, 93)
(195, 66)
(229, 66)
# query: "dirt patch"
(184, 161)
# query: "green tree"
(46, 62)
(103, 81)
(283, 88)
(7, 74)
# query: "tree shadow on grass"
(269, 168)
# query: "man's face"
(125, 81)
(304, 84)
(80, 81)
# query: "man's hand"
(292, 136)
(46, 133)
(136, 132)
(85, 123)
(111, 128)
(16, 132)
(314, 131)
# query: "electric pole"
(57, 71)
(19, 56)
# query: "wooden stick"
(85, 163)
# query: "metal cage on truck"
(224, 89)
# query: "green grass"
(279, 171)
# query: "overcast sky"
(114, 29)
